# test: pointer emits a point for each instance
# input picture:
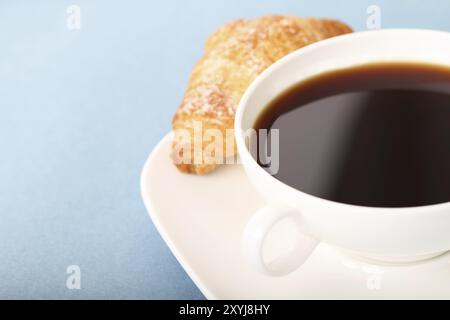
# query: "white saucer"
(202, 220)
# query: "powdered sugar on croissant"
(234, 56)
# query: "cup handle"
(256, 232)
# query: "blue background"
(81, 110)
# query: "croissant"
(234, 56)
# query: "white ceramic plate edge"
(159, 226)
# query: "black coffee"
(374, 135)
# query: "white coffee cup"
(388, 234)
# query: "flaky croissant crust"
(234, 56)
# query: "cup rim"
(247, 158)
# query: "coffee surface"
(374, 135)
